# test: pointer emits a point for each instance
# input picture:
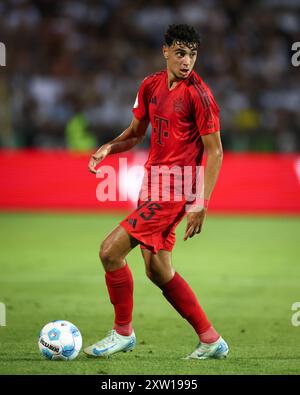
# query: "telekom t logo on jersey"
(160, 129)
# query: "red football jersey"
(179, 117)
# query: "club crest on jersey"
(153, 100)
(178, 104)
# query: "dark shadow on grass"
(34, 359)
(22, 359)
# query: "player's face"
(180, 59)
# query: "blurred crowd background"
(73, 68)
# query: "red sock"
(210, 336)
(183, 299)
(120, 288)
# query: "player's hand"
(194, 224)
(98, 156)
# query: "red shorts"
(153, 224)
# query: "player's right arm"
(131, 136)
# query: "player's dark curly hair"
(184, 34)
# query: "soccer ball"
(60, 340)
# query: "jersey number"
(152, 207)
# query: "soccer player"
(185, 122)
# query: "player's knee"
(153, 275)
(158, 273)
(149, 268)
(106, 255)
(149, 274)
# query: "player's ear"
(165, 50)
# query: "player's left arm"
(213, 148)
(214, 151)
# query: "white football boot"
(216, 350)
(111, 344)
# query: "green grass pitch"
(244, 270)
